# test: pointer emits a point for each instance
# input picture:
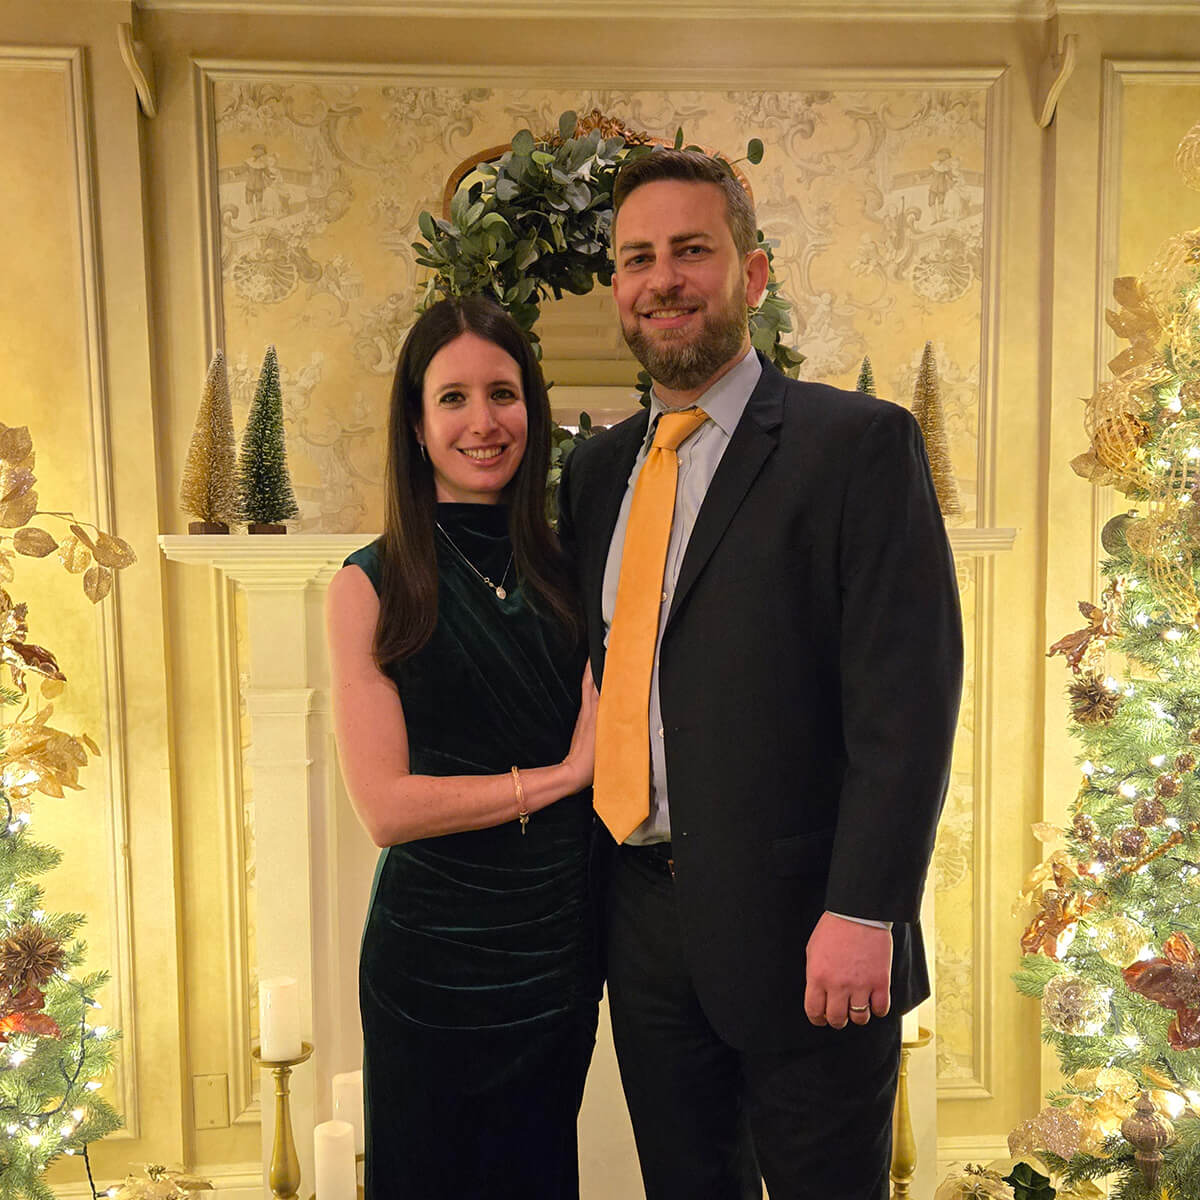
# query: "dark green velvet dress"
(477, 982)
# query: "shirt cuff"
(865, 921)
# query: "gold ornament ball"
(1168, 785)
(1074, 1005)
(1084, 828)
(1120, 940)
(1103, 852)
(1185, 761)
(1149, 811)
(1129, 841)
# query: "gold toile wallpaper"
(874, 197)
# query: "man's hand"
(849, 968)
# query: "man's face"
(682, 288)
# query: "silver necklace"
(498, 588)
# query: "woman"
(456, 650)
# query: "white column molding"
(314, 863)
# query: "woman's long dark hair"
(408, 597)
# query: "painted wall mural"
(874, 197)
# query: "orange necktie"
(622, 780)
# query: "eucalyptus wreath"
(535, 224)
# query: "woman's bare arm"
(393, 804)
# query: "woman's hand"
(581, 757)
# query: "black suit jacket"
(809, 675)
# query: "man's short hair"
(689, 166)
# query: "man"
(768, 583)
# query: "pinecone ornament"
(1149, 811)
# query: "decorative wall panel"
(875, 190)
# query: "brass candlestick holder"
(904, 1143)
(285, 1163)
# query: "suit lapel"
(753, 441)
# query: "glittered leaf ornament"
(97, 583)
(23, 1014)
(112, 551)
(34, 542)
(1053, 927)
(18, 654)
(1075, 647)
(16, 445)
(1053, 1129)
(1136, 322)
(160, 1183)
(1174, 982)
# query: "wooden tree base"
(259, 527)
(207, 527)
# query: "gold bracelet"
(522, 811)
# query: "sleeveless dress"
(478, 978)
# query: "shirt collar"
(724, 402)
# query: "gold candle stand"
(904, 1144)
(285, 1164)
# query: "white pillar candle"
(333, 1158)
(910, 1027)
(348, 1104)
(279, 1019)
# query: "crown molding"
(674, 10)
(671, 10)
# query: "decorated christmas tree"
(927, 408)
(51, 1054)
(266, 489)
(209, 491)
(1111, 949)
(866, 378)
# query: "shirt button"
(664, 597)
(660, 731)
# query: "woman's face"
(473, 422)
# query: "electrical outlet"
(210, 1101)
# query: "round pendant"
(501, 594)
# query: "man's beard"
(687, 364)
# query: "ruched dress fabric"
(478, 983)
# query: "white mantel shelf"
(306, 555)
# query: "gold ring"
(860, 1008)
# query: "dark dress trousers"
(809, 677)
